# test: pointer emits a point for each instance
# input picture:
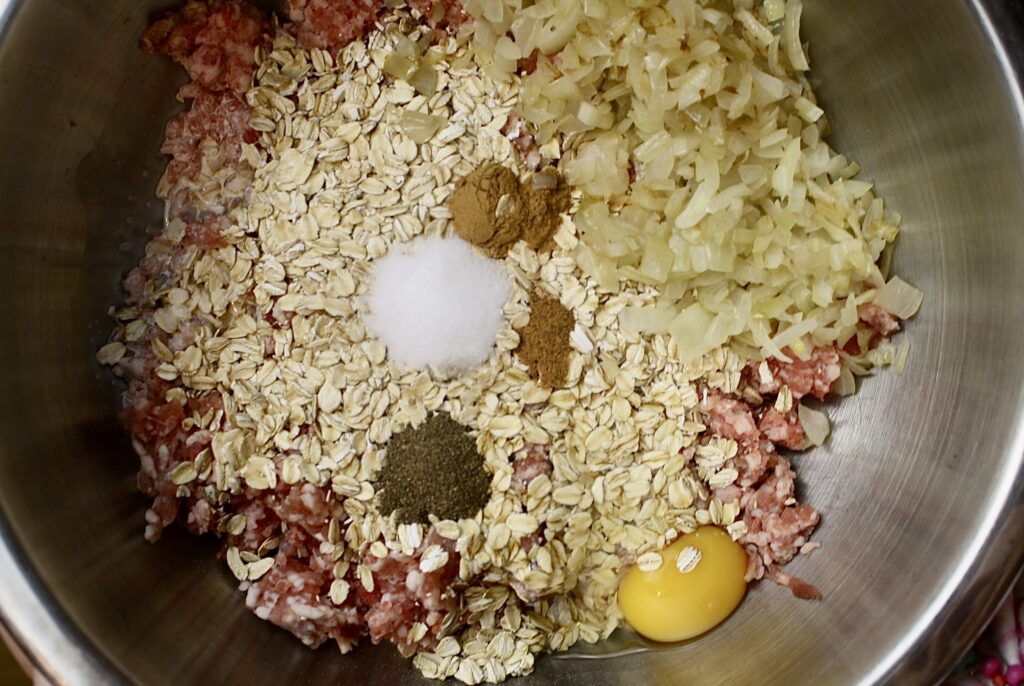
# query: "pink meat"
(878, 319)
(403, 594)
(305, 505)
(215, 42)
(777, 525)
(751, 461)
(729, 417)
(162, 444)
(261, 524)
(813, 376)
(331, 24)
(783, 429)
(206, 232)
(296, 597)
(222, 117)
(530, 463)
(797, 586)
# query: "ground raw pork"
(332, 24)
(778, 526)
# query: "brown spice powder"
(544, 342)
(493, 210)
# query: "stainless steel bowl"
(920, 486)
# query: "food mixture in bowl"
(464, 315)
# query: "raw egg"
(687, 588)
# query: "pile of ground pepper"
(493, 210)
(544, 342)
(433, 469)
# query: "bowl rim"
(61, 652)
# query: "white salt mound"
(435, 303)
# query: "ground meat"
(783, 429)
(331, 24)
(306, 505)
(800, 588)
(295, 594)
(527, 65)
(215, 42)
(751, 461)
(221, 117)
(162, 444)
(531, 541)
(200, 517)
(530, 463)
(813, 376)
(403, 594)
(206, 232)
(878, 319)
(728, 417)
(261, 523)
(155, 271)
(777, 525)
(296, 597)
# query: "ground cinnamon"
(544, 342)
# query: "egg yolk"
(695, 586)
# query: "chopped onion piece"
(558, 30)
(774, 10)
(791, 36)
(654, 320)
(657, 260)
(420, 127)
(791, 336)
(782, 178)
(398, 67)
(815, 424)
(757, 30)
(846, 384)
(690, 331)
(542, 180)
(424, 80)
(899, 364)
(899, 298)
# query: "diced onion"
(398, 67)
(814, 423)
(420, 127)
(424, 80)
(774, 10)
(846, 384)
(899, 364)
(899, 298)
(705, 173)
(791, 36)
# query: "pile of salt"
(435, 303)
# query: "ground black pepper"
(433, 469)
